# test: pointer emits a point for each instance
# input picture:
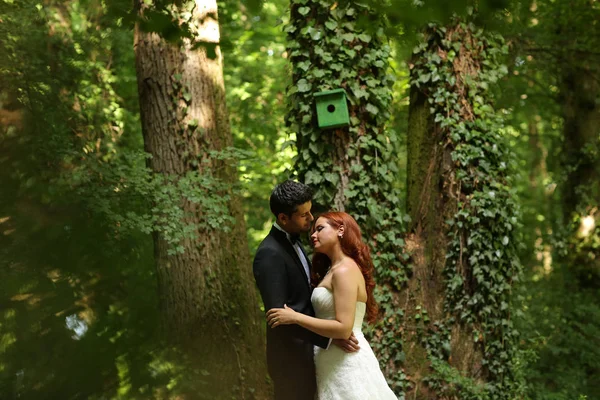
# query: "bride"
(343, 297)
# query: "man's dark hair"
(287, 196)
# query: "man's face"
(300, 221)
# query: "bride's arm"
(345, 295)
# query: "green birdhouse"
(332, 110)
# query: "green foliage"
(173, 21)
(559, 303)
(328, 51)
(562, 327)
(77, 204)
(484, 230)
(77, 199)
(406, 18)
(142, 201)
(92, 137)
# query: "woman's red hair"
(352, 246)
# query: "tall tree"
(353, 168)
(207, 294)
(463, 217)
(572, 67)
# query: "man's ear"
(282, 219)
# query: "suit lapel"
(283, 240)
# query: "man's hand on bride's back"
(349, 345)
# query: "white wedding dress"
(347, 376)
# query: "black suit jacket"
(281, 279)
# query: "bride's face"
(324, 236)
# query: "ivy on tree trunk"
(463, 235)
(342, 45)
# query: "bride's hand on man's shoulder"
(281, 316)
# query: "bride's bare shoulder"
(346, 270)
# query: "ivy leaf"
(193, 124)
(304, 10)
(350, 193)
(313, 178)
(336, 41)
(331, 25)
(304, 86)
(505, 240)
(364, 37)
(350, 52)
(331, 177)
(348, 37)
(372, 109)
(447, 347)
(424, 78)
(358, 92)
(303, 65)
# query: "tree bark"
(431, 201)
(207, 293)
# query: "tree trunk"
(460, 236)
(352, 168)
(581, 188)
(330, 48)
(207, 293)
(431, 201)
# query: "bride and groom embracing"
(315, 346)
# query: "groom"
(282, 273)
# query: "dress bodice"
(324, 305)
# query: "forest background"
(128, 222)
